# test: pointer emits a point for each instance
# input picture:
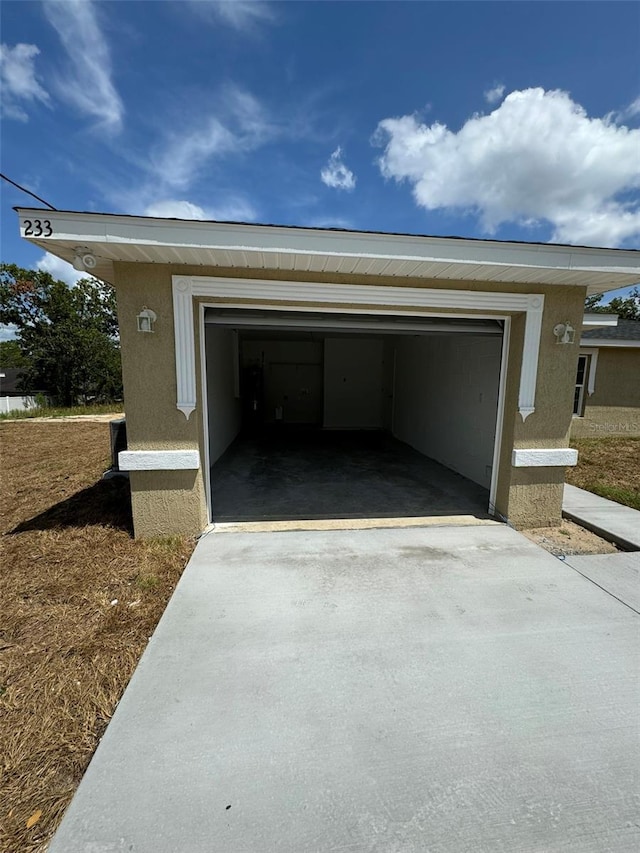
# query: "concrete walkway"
(440, 689)
(618, 574)
(611, 520)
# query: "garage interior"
(316, 416)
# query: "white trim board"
(497, 441)
(158, 460)
(544, 457)
(595, 319)
(593, 366)
(309, 295)
(205, 412)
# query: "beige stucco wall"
(163, 502)
(614, 406)
(532, 497)
(171, 502)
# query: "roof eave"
(140, 238)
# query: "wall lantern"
(83, 259)
(146, 319)
(565, 333)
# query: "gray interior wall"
(223, 405)
(353, 383)
(281, 351)
(292, 378)
(446, 397)
(388, 379)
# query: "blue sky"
(511, 120)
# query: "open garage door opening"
(318, 416)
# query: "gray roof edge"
(625, 330)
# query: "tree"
(11, 355)
(68, 335)
(627, 307)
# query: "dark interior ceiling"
(263, 325)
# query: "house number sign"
(37, 228)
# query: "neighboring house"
(12, 399)
(463, 349)
(607, 393)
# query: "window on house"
(581, 385)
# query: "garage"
(278, 372)
(312, 415)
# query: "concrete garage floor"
(437, 689)
(311, 474)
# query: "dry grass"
(59, 412)
(609, 467)
(67, 651)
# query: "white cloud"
(60, 269)
(538, 157)
(87, 84)
(629, 112)
(242, 15)
(233, 210)
(330, 222)
(336, 175)
(175, 209)
(493, 95)
(240, 125)
(18, 79)
(183, 156)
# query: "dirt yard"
(569, 539)
(80, 598)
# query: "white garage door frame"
(266, 295)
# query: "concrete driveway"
(425, 689)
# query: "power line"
(28, 192)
